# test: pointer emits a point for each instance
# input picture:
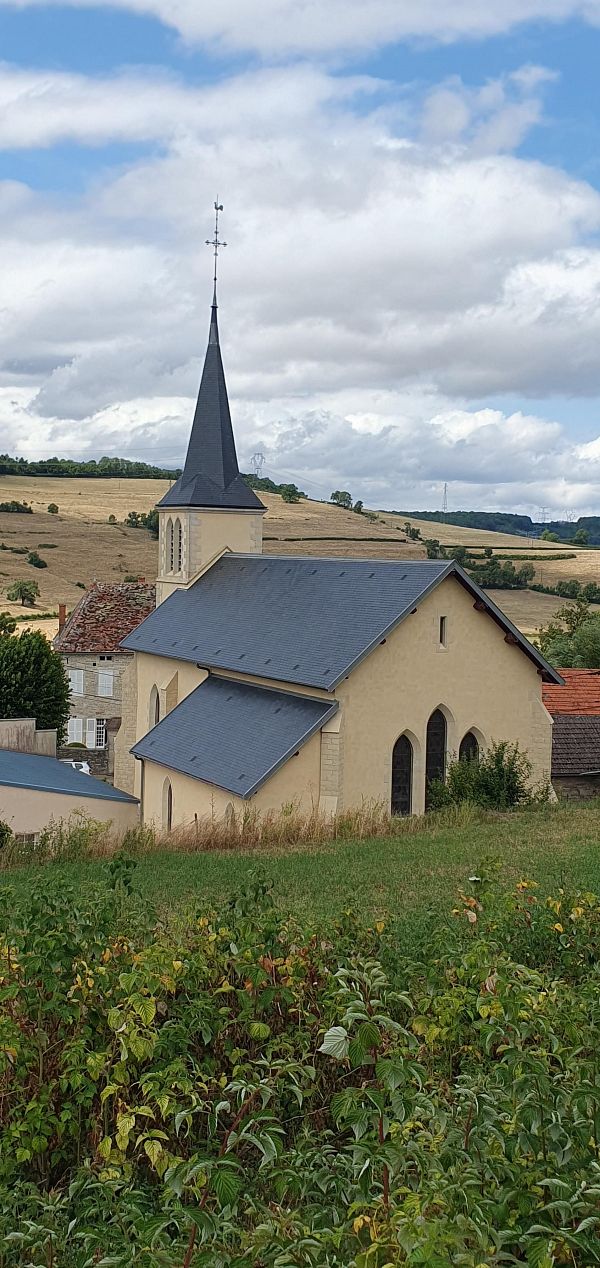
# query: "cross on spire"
(215, 243)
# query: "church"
(319, 683)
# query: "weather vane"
(215, 243)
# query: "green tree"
(112, 519)
(458, 553)
(53, 509)
(33, 682)
(290, 493)
(581, 537)
(341, 497)
(572, 638)
(525, 574)
(8, 624)
(433, 548)
(358, 507)
(548, 536)
(24, 592)
(488, 552)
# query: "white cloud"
(281, 27)
(382, 278)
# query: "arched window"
(402, 768)
(179, 545)
(469, 748)
(154, 707)
(435, 756)
(170, 547)
(167, 806)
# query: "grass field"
(414, 877)
(79, 545)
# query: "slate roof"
(104, 616)
(575, 745)
(46, 774)
(580, 693)
(299, 620)
(211, 476)
(233, 734)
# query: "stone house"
(89, 643)
(314, 682)
(575, 709)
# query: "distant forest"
(109, 468)
(103, 469)
(506, 522)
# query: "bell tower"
(209, 508)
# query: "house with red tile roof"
(575, 709)
(89, 642)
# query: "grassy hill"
(79, 545)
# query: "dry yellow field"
(451, 534)
(79, 545)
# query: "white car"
(82, 766)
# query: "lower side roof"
(233, 734)
(46, 774)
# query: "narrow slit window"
(443, 622)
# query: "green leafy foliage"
(104, 468)
(8, 624)
(53, 509)
(498, 779)
(36, 560)
(16, 508)
(572, 639)
(144, 519)
(438, 1112)
(33, 682)
(342, 498)
(23, 592)
(290, 493)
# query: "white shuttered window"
(75, 681)
(75, 731)
(105, 682)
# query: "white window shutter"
(105, 682)
(75, 730)
(90, 733)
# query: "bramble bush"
(247, 1093)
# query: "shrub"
(6, 834)
(17, 508)
(53, 509)
(8, 624)
(498, 779)
(112, 519)
(80, 585)
(35, 560)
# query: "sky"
(410, 291)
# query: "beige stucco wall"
(481, 682)
(295, 784)
(205, 535)
(30, 811)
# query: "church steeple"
(191, 532)
(211, 476)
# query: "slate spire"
(211, 476)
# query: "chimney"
(62, 617)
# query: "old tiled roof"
(233, 734)
(580, 694)
(575, 745)
(105, 616)
(300, 620)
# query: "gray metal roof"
(46, 774)
(232, 734)
(211, 476)
(298, 620)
